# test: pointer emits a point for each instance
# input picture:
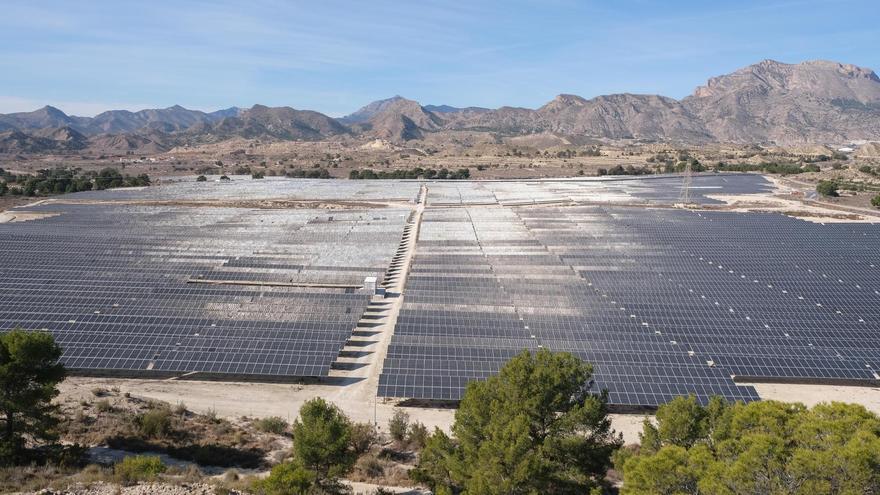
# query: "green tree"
(107, 178)
(760, 447)
(533, 428)
(322, 439)
(398, 425)
(29, 375)
(827, 188)
(875, 201)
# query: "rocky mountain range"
(812, 102)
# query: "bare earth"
(236, 399)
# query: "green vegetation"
(322, 452)
(321, 439)
(363, 437)
(761, 447)
(875, 201)
(533, 428)
(767, 167)
(398, 425)
(315, 173)
(827, 188)
(201, 178)
(411, 173)
(628, 170)
(272, 424)
(29, 376)
(288, 478)
(66, 180)
(258, 175)
(136, 468)
(155, 423)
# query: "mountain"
(46, 117)
(450, 109)
(266, 122)
(123, 143)
(167, 120)
(622, 116)
(226, 112)
(44, 141)
(814, 102)
(367, 112)
(811, 102)
(67, 137)
(170, 119)
(398, 119)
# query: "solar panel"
(160, 290)
(662, 302)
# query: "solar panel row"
(662, 302)
(113, 284)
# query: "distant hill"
(810, 102)
(770, 102)
(266, 122)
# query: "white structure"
(370, 284)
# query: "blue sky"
(335, 56)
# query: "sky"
(336, 56)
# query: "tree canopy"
(533, 428)
(322, 452)
(761, 447)
(827, 188)
(29, 375)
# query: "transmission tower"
(685, 195)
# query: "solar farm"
(269, 280)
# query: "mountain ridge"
(815, 101)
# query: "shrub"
(155, 423)
(827, 188)
(321, 440)
(201, 178)
(272, 424)
(285, 479)
(363, 437)
(418, 435)
(103, 405)
(370, 466)
(138, 468)
(398, 425)
(875, 201)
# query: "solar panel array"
(115, 285)
(662, 302)
(663, 189)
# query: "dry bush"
(272, 424)
(363, 437)
(103, 406)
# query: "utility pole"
(685, 195)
